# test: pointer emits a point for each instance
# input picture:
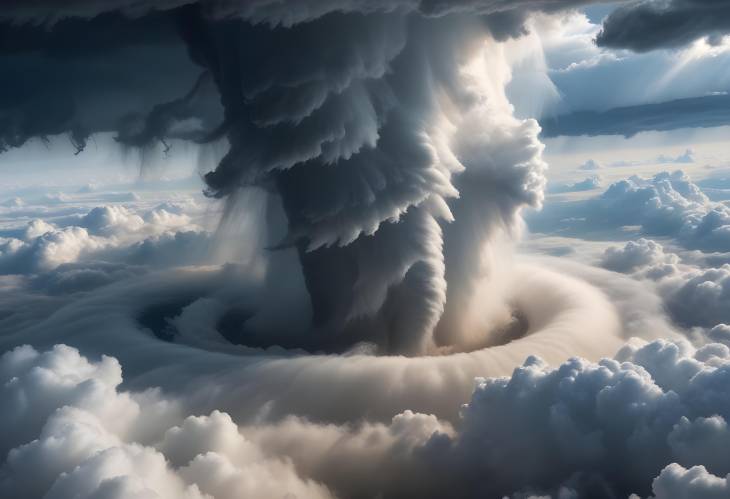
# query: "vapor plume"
(393, 153)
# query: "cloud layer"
(607, 428)
(668, 204)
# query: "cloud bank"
(661, 402)
(648, 25)
(668, 204)
(694, 112)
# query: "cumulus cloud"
(700, 296)
(668, 204)
(91, 439)
(586, 426)
(109, 220)
(37, 228)
(642, 254)
(79, 233)
(650, 421)
(47, 250)
(694, 296)
(677, 482)
(120, 222)
(720, 334)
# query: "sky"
(365, 248)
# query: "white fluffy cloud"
(45, 248)
(699, 297)
(651, 421)
(643, 254)
(666, 205)
(76, 435)
(119, 222)
(611, 424)
(111, 220)
(694, 296)
(163, 235)
(677, 482)
(720, 334)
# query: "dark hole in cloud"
(158, 318)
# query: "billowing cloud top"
(397, 120)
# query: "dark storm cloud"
(695, 112)
(652, 24)
(122, 66)
(350, 137)
(112, 74)
(273, 12)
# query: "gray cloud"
(668, 204)
(643, 254)
(694, 296)
(69, 278)
(351, 144)
(694, 112)
(349, 140)
(699, 297)
(652, 24)
(113, 233)
(608, 429)
(273, 12)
